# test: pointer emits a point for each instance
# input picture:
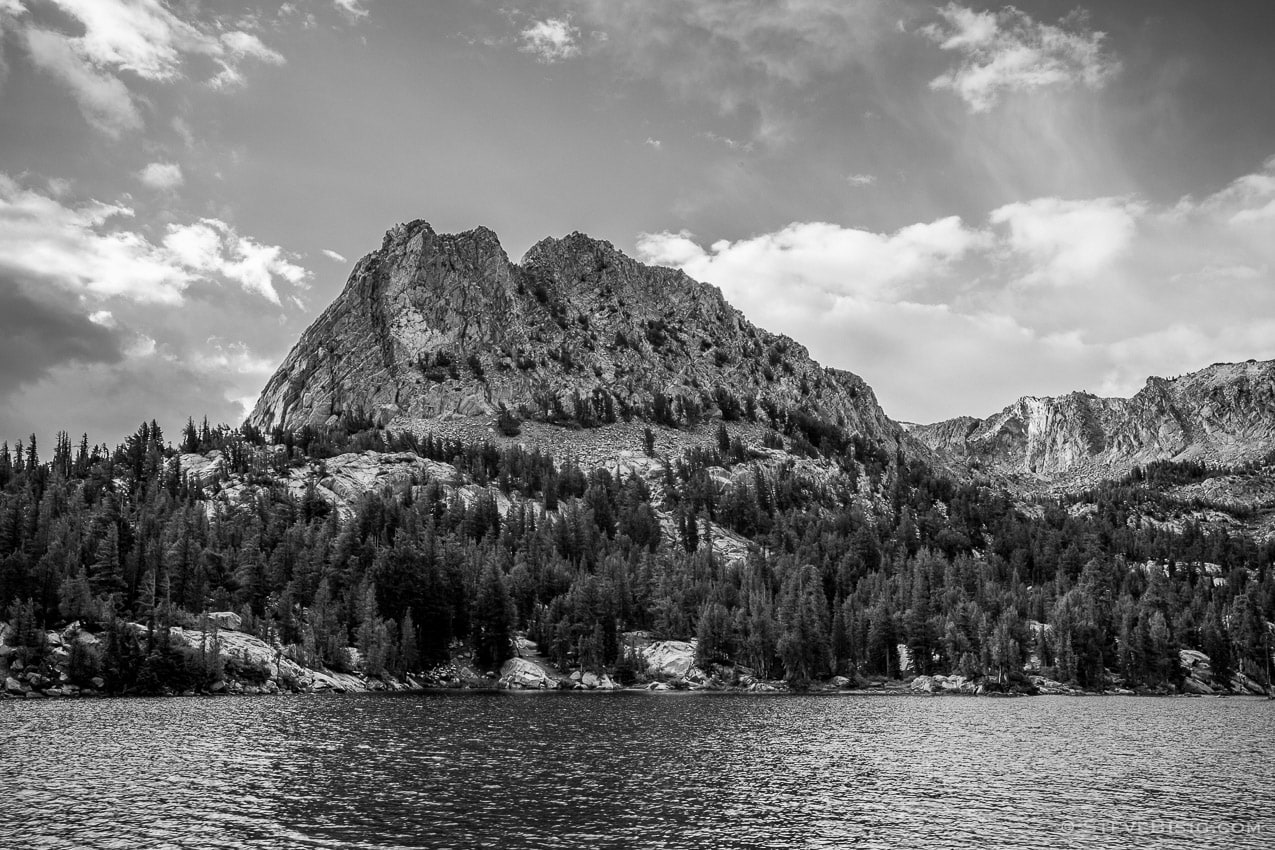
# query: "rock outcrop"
(1221, 416)
(248, 664)
(437, 325)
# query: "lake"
(637, 769)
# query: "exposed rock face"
(341, 480)
(439, 324)
(521, 673)
(1222, 415)
(669, 658)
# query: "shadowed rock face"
(438, 324)
(1222, 415)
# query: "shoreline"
(900, 689)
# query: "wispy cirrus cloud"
(353, 9)
(739, 55)
(113, 43)
(1008, 51)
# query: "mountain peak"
(438, 325)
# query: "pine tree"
(108, 573)
(493, 619)
(803, 644)
(715, 642)
(409, 657)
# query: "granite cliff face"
(1221, 416)
(445, 325)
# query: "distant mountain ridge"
(1222, 415)
(435, 325)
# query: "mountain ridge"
(1221, 415)
(444, 325)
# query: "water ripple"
(622, 770)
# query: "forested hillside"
(850, 556)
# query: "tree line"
(845, 563)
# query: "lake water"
(633, 769)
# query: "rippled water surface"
(623, 770)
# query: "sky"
(964, 204)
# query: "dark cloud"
(41, 329)
(109, 400)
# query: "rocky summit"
(1221, 416)
(439, 325)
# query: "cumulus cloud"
(1045, 296)
(162, 176)
(83, 250)
(551, 40)
(1064, 241)
(211, 247)
(820, 260)
(77, 249)
(1008, 51)
(117, 40)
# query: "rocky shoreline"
(248, 665)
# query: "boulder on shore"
(671, 658)
(524, 674)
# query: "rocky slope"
(1221, 416)
(436, 326)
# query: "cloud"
(239, 46)
(110, 399)
(1046, 296)
(232, 357)
(333, 255)
(861, 179)
(551, 40)
(820, 260)
(9, 9)
(82, 250)
(733, 144)
(653, 143)
(1064, 241)
(740, 55)
(76, 249)
(161, 176)
(1008, 51)
(42, 328)
(103, 99)
(127, 40)
(211, 247)
(353, 9)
